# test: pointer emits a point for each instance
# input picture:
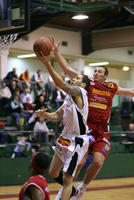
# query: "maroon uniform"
(39, 182)
(100, 102)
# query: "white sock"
(84, 185)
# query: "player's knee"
(80, 166)
(98, 164)
(83, 161)
(67, 179)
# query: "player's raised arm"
(61, 60)
(72, 90)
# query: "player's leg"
(72, 160)
(92, 171)
(94, 168)
(55, 167)
(101, 150)
(80, 166)
(59, 180)
(67, 186)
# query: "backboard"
(14, 16)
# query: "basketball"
(44, 45)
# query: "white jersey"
(73, 143)
(74, 118)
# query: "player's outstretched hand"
(55, 46)
(40, 112)
(44, 59)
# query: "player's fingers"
(45, 109)
(40, 111)
(51, 39)
(59, 44)
(53, 43)
(42, 54)
(38, 53)
(37, 112)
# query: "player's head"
(81, 80)
(85, 82)
(39, 164)
(100, 74)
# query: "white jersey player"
(74, 141)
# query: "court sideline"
(102, 189)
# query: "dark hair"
(42, 160)
(106, 70)
(3, 81)
(39, 71)
(87, 81)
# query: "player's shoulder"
(111, 84)
(37, 178)
(91, 78)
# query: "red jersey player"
(36, 187)
(100, 102)
(100, 95)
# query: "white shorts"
(71, 150)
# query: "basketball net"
(5, 42)
(130, 9)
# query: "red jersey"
(39, 182)
(100, 102)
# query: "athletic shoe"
(80, 191)
(58, 197)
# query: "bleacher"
(121, 150)
(119, 142)
(14, 135)
(118, 129)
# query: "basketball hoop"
(5, 42)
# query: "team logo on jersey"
(101, 92)
(98, 105)
(110, 85)
(107, 148)
(63, 141)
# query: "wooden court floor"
(102, 189)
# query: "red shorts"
(102, 142)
